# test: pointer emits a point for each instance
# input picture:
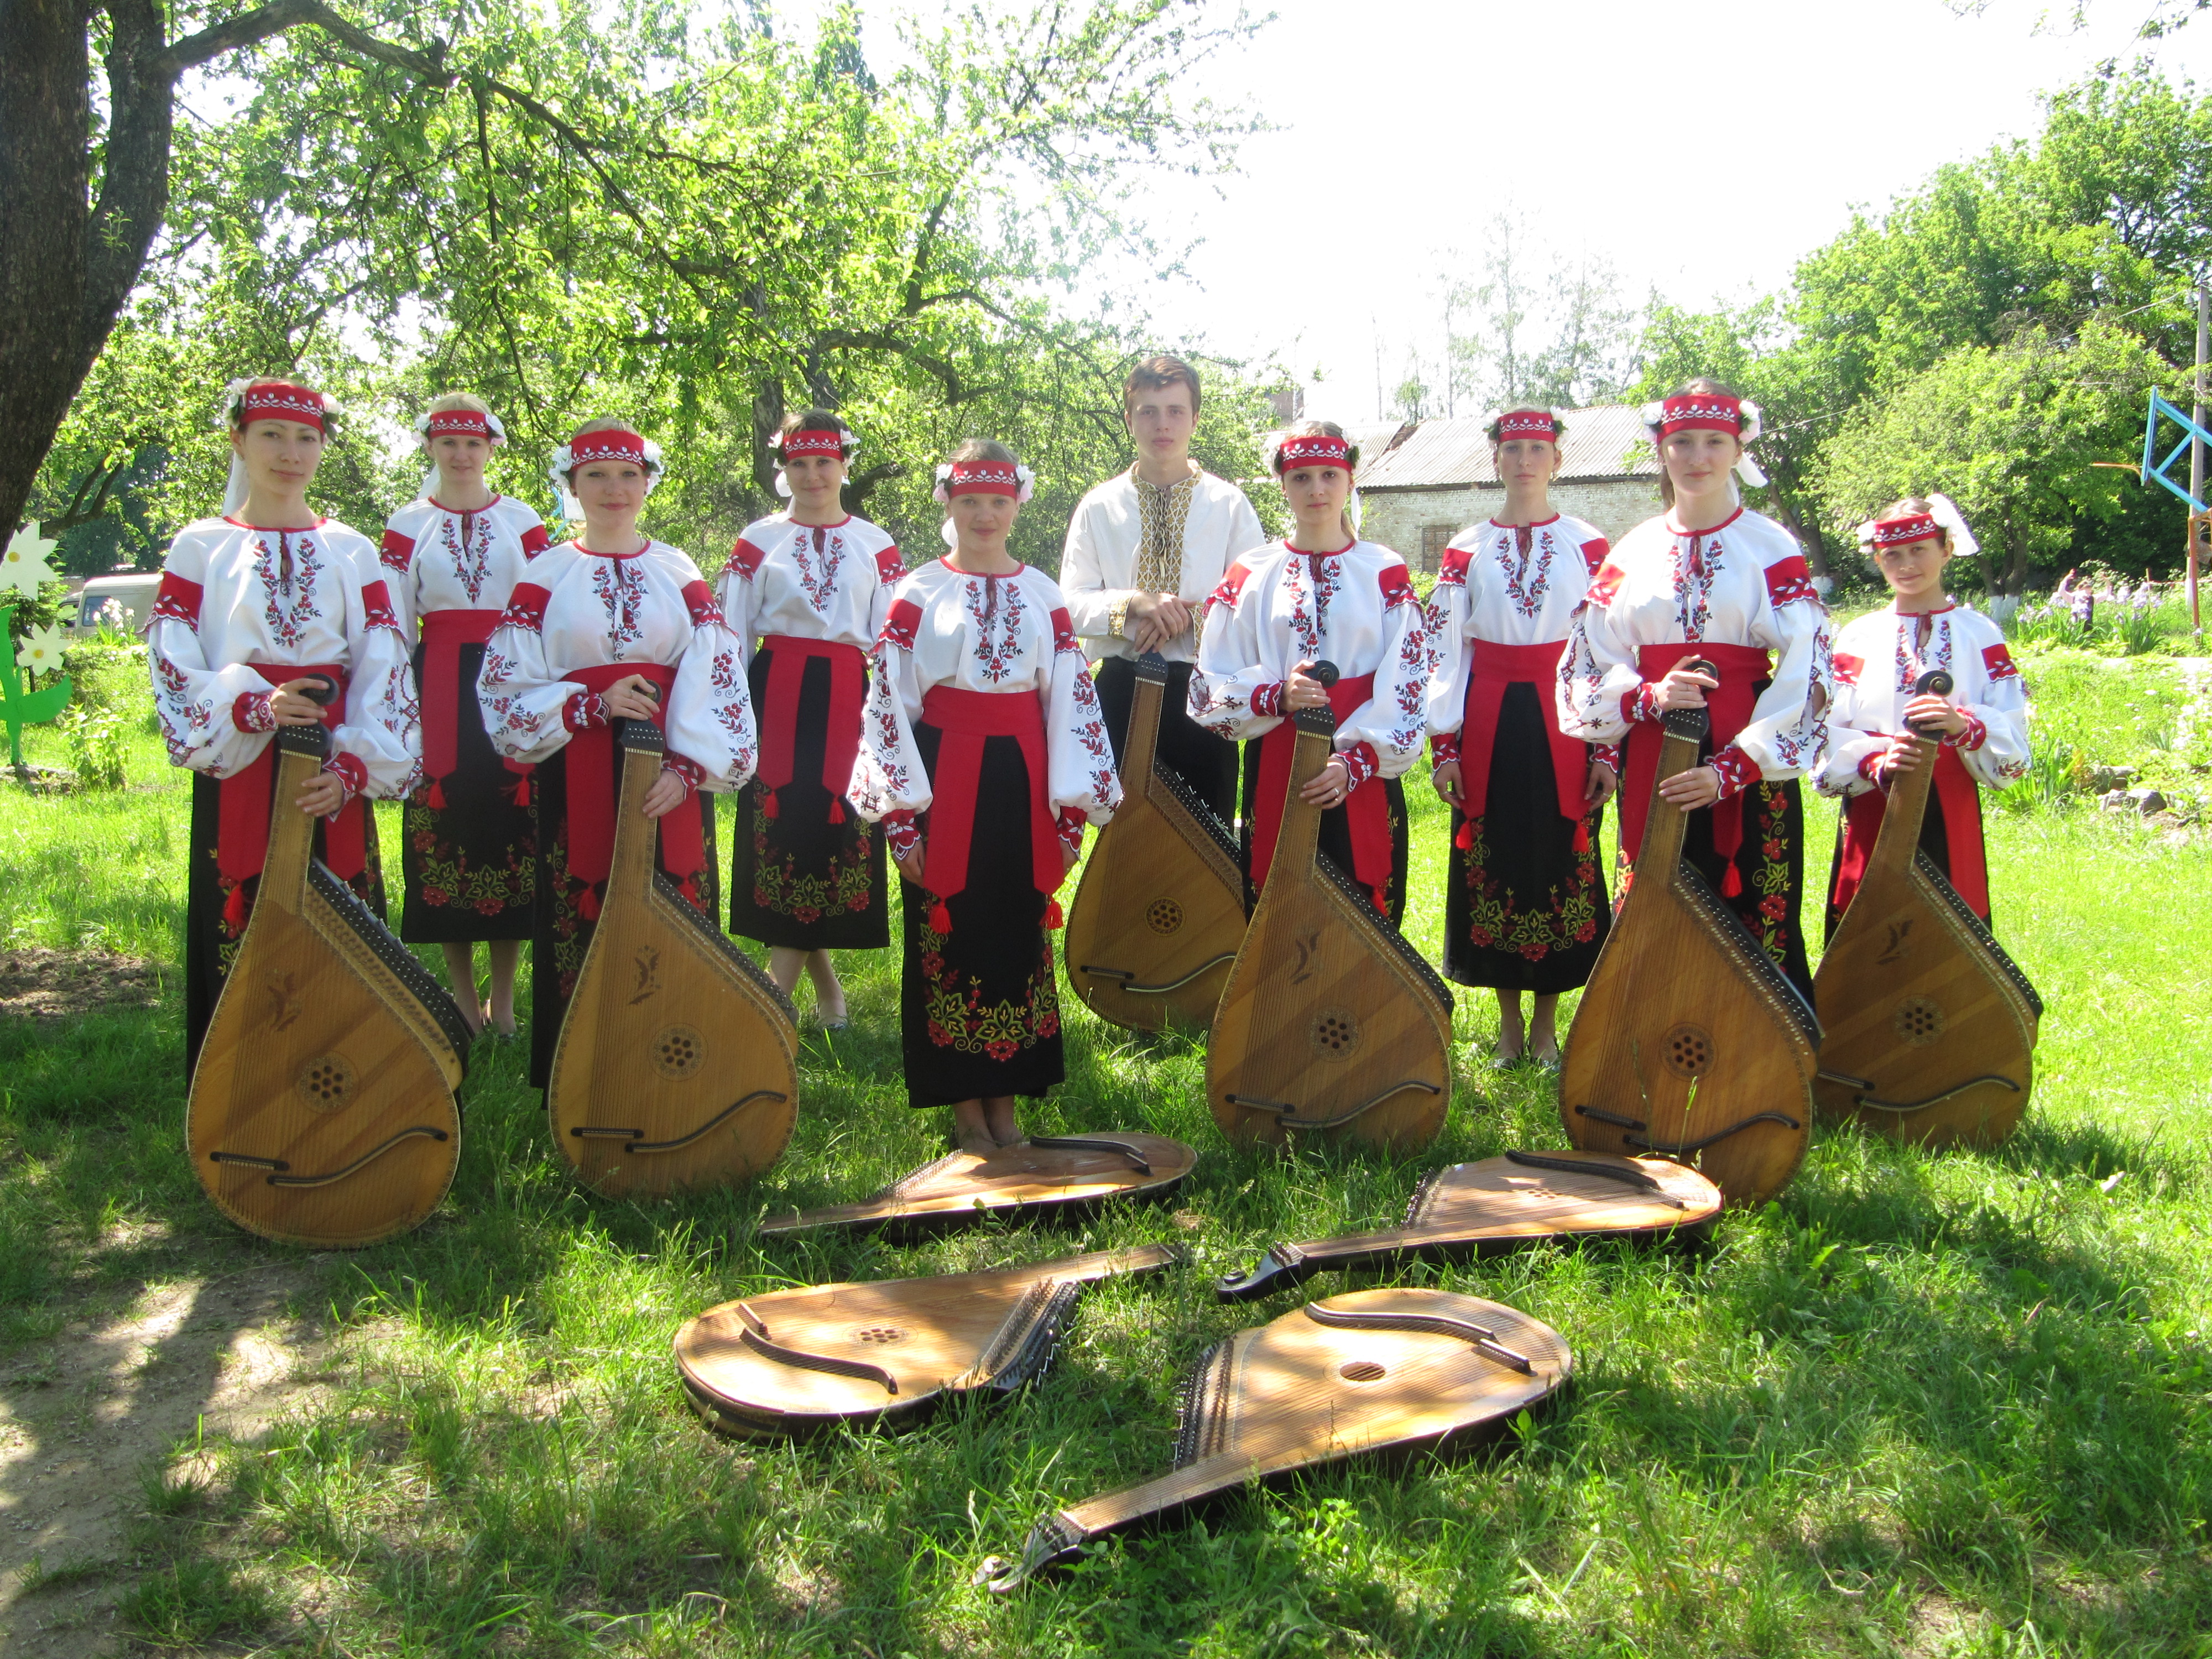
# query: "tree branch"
(250, 28)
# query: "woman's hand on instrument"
(323, 796)
(912, 861)
(1302, 690)
(1932, 710)
(1681, 689)
(1904, 756)
(291, 705)
(1445, 779)
(634, 697)
(666, 794)
(1698, 787)
(1329, 786)
(1600, 786)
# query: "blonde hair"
(604, 423)
(1702, 383)
(983, 449)
(453, 400)
(1905, 507)
(1320, 429)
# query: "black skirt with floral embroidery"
(470, 865)
(1770, 869)
(797, 879)
(562, 932)
(1525, 909)
(979, 1012)
(210, 942)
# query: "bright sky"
(1701, 148)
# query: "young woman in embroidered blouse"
(252, 606)
(1322, 595)
(1525, 905)
(613, 625)
(1710, 578)
(470, 849)
(813, 584)
(1878, 660)
(983, 754)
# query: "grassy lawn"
(1930, 1405)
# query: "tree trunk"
(44, 180)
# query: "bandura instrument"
(677, 1061)
(1355, 1373)
(1929, 1026)
(1159, 915)
(794, 1361)
(1331, 1023)
(1045, 1175)
(1499, 1203)
(1689, 1042)
(322, 1109)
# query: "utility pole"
(2196, 457)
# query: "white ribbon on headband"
(1945, 511)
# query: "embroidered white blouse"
(1743, 582)
(232, 595)
(1007, 634)
(1277, 608)
(1879, 656)
(1490, 589)
(442, 559)
(827, 582)
(1098, 565)
(580, 610)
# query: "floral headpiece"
(246, 401)
(813, 440)
(1525, 423)
(613, 443)
(461, 424)
(1008, 478)
(1911, 527)
(1311, 449)
(1704, 411)
(1943, 515)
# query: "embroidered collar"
(945, 559)
(636, 552)
(1674, 528)
(442, 508)
(793, 519)
(1948, 604)
(1322, 553)
(1534, 524)
(276, 529)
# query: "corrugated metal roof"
(1441, 453)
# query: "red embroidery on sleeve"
(746, 558)
(179, 600)
(699, 600)
(376, 607)
(526, 608)
(1063, 631)
(1267, 699)
(1594, 552)
(1976, 734)
(1443, 748)
(535, 541)
(585, 710)
(1736, 770)
(1605, 584)
(689, 770)
(1232, 584)
(396, 551)
(1848, 667)
(350, 772)
(901, 626)
(1789, 579)
(252, 712)
(890, 567)
(1454, 571)
(1397, 587)
(1997, 663)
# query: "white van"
(132, 590)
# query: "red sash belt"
(1962, 833)
(966, 718)
(594, 789)
(444, 633)
(1741, 667)
(841, 740)
(1495, 667)
(241, 845)
(1367, 808)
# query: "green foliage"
(97, 741)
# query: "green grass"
(1956, 1404)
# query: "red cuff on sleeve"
(685, 767)
(1870, 766)
(1267, 699)
(1641, 704)
(1607, 754)
(1443, 748)
(583, 711)
(1361, 761)
(252, 712)
(1737, 771)
(349, 771)
(1972, 737)
(1073, 822)
(901, 831)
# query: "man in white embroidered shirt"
(1143, 549)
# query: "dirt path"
(84, 1418)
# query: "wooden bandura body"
(1689, 1042)
(1501, 1203)
(1354, 1373)
(1928, 1028)
(1331, 1023)
(322, 1108)
(794, 1361)
(678, 1062)
(1048, 1175)
(1159, 915)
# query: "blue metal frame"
(2189, 430)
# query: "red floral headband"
(608, 444)
(812, 442)
(1313, 449)
(1701, 411)
(1529, 424)
(982, 478)
(458, 423)
(1912, 527)
(281, 400)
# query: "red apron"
(594, 790)
(965, 718)
(241, 845)
(787, 670)
(1962, 833)
(1742, 668)
(1495, 667)
(444, 633)
(1367, 809)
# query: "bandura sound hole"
(1919, 1021)
(879, 1333)
(326, 1082)
(1164, 915)
(1336, 1033)
(678, 1051)
(1362, 1371)
(1689, 1051)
